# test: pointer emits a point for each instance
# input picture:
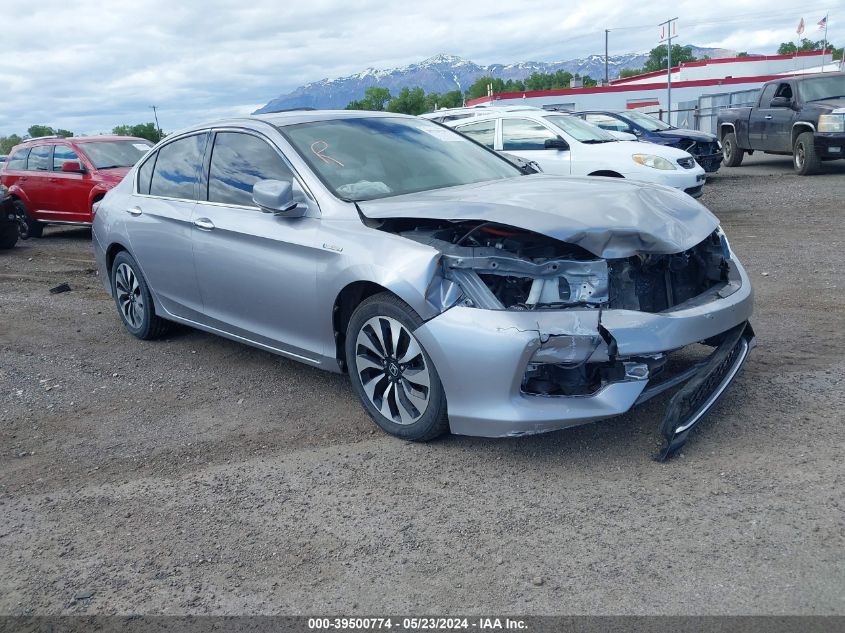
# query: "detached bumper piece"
(693, 401)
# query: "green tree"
(409, 101)
(8, 142)
(35, 131)
(64, 133)
(657, 57)
(148, 131)
(375, 98)
(435, 100)
(630, 72)
(589, 82)
(790, 48)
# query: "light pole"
(155, 116)
(669, 25)
(606, 77)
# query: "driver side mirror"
(780, 102)
(72, 167)
(556, 143)
(276, 197)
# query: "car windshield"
(647, 122)
(579, 129)
(823, 88)
(109, 154)
(378, 157)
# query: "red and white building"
(699, 89)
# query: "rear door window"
(522, 134)
(61, 155)
(177, 168)
(40, 158)
(18, 159)
(483, 132)
(238, 161)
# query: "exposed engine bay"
(503, 267)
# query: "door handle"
(204, 223)
(767, 117)
(136, 211)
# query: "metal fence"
(701, 115)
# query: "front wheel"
(732, 154)
(390, 371)
(133, 299)
(804, 157)
(29, 227)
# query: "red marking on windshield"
(318, 147)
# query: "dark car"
(703, 146)
(9, 227)
(802, 116)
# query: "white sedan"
(567, 145)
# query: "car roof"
(511, 114)
(78, 139)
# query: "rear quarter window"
(18, 159)
(145, 174)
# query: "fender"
(16, 192)
(100, 189)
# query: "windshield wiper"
(593, 141)
(111, 166)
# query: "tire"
(133, 300)
(9, 236)
(391, 382)
(34, 227)
(804, 157)
(732, 153)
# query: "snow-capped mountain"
(443, 73)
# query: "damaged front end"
(594, 331)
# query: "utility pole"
(606, 77)
(670, 25)
(158, 127)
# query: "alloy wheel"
(129, 296)
(393, 370)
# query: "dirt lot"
(197, 475)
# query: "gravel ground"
(199, 476)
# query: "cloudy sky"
(90, 65)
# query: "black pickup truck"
(803, 116)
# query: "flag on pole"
(823, 23)
(800, 29)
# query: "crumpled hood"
(607, 216)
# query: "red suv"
(58, 180)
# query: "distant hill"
(443, 73)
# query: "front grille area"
(686, 163)
(654, 283)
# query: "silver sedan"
(457, 290)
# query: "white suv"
(567, 145)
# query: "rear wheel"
(732, 154)
(34, 228)
(390, 371)
(804, 157)
(133, 299)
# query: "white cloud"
(88, 66)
